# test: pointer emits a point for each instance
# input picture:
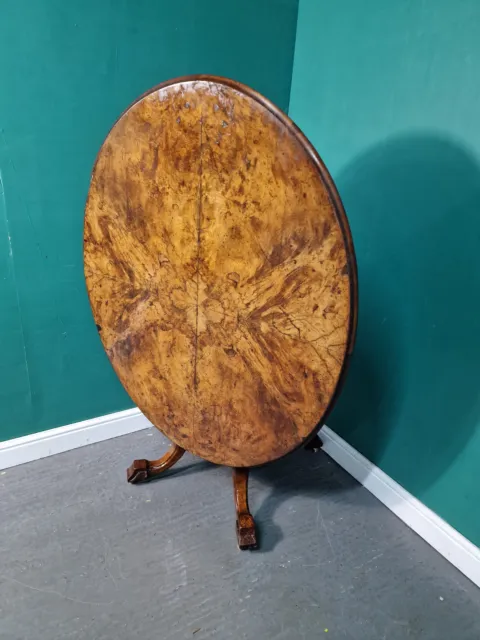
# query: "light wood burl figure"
(221, 275)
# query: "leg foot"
(246, 533)
(141, 470)
(314, 445)
(137, 471)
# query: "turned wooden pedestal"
(221, 275)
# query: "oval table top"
(220, 270)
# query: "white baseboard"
(71, 436)
(441, 536)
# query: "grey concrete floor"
(84, 555)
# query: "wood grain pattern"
(220, 270)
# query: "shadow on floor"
(304, 474)
(300, 474)
(199, 466)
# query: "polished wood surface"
(245, 524)
(220, 271)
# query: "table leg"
(141, 470)
(246, 534)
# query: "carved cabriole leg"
(246, 535)
(141, 470)
(314, 445)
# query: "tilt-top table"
(221, 275)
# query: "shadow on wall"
(412, 396)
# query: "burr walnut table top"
(220, 270)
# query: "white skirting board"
(440, 535)
(48, 443)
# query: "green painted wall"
(389, 93)
(69, 68)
